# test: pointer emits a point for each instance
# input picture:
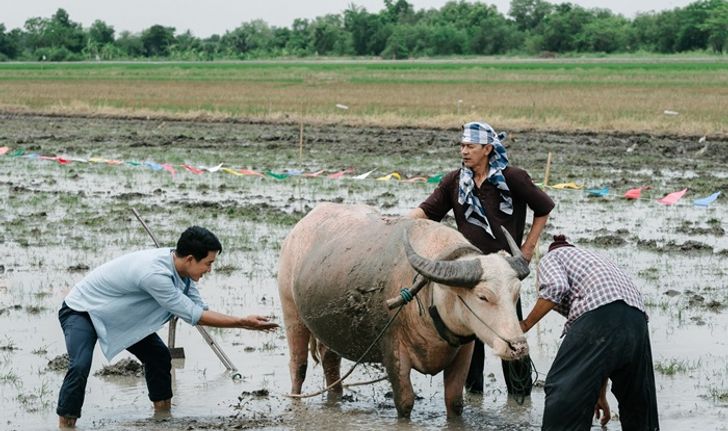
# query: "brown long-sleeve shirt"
(524, 193)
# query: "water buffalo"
(340, 264)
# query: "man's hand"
(602, 407)
(258, 323)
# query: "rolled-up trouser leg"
(80, 337)
(157, 361)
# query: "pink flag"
(250, 172)
(337, 175)
(193, 169)
(62, 160)
(633, 193)
(167, 167)
(672, 197)
(4, 150)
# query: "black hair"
(198, 242)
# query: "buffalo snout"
(519, 347)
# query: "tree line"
(531, 27)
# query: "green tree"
(605, 33)
(61, 32)
(716, 25)
(528, 14)
(9, 44)
(131, 45)
(299, 42)
(249, 39)
(364, 29)
(157, 40)
(328, 36)
(561, 28)
(399, 12)
(101, 33)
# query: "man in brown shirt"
(485, 193)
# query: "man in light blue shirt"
(124, 302)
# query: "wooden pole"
(300, 142)
(548, 170)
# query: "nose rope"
(485, 324)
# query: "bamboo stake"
(548, 170)
(300, 139)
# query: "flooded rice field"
(60, 220)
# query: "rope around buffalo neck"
(519, 383)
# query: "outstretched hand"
(259, 323)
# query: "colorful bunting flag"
(571, 186)
(212, 169)
(276, 175)
(672, 198)
(599, 193)
(704, 202)
(193, 169)
(169, 168)
(633, 193)
(394, 175)
(364, 175)
(314, 174)
(250, 172)
(232, 172)
(435, 179)
(153, 165)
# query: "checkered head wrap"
(483, 134)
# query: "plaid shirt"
(579, 280)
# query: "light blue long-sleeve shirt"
(133, 296)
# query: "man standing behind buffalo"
(484, 194)
(606, 337)
(124, 302)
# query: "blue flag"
(703, 202)
(598, 192)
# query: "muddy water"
(57, 221)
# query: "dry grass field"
(663, 96)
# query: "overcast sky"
(207, 17)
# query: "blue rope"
(406, 295)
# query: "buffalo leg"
(331, 363)
(297, 335)
(398, 368)
(454, 380)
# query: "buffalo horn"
(516, 260)
(462, 273)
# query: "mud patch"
(125, 367)
(59, 363)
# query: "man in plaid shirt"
(605, 337)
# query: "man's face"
(195, 269)
(475, 155)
